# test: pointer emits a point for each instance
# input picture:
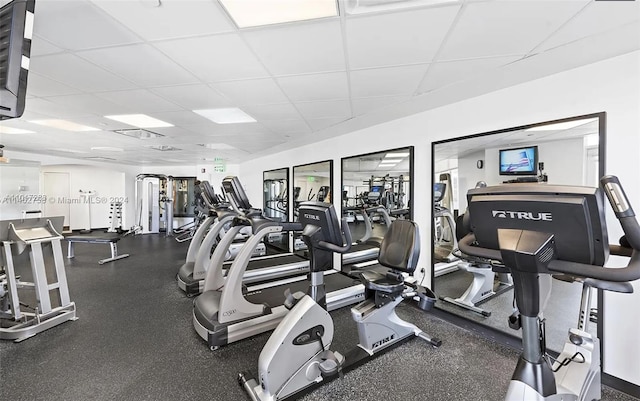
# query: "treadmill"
(191, 274)
(225, 312)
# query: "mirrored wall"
(564, 152)
(311, 182)
(275, 198)
(376, 188)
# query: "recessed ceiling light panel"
(247, 14)
(139, 120)
(64, 125)
(392, 155)
(230, 115)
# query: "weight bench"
(98, 238)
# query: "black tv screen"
(16, 26)
(519, 161)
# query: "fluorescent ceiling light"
(138, 133)
(394, 161)
(560, 126)
(387, 164)
(396, 154)
(231, 115)
(370, 6)
(217, 146)
(107, 149)
(14, 131)
(69, 150)
(64, 125)
(250, 13)
(139, 120)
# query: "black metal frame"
(331, 186)
(288, 205)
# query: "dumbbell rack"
(33, 235)
(115, 217)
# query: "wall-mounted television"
(519, 161)
(16, 25)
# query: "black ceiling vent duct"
(16, 28)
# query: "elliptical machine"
(297, 356)
(542, 230)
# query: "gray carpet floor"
(134, 340)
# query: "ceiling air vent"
(164, 148)
(138, 133)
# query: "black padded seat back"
(400, 247)
(463, 226)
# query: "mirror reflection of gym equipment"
(275, 206)
(311, 182)
(561, 152)
(376, 189)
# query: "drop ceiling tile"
(281, 111)
(321, 110)
(307, 88)
(444, 73)
(41, 86)
(180, 118)
(598, 17)
(40, 47)
(299, 48)
(369, 104)
(142, 64)
(193, 97)
(318, 124)
(286, 127)
(397, 38)
(172, 19)
(76, 25)
(52, 109)
(251, 92)
(387, 81)
(500, 28)
(140, 101)
(215, 58)
(89, 104)
(78, 73)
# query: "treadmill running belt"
(274, 296)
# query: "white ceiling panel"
(319, 110)
(179, 118)
(173, 19)
(444, 73)
(299, 48)
(78, 73)
(288, 127)
(40, 47)
(52, 109)
(142, 64)
(282, 111)
(140, 101)
(387, 81)
(193, 97)
(369, 104)
(89, 104)
(254, 91)
(501, 28)
(597, 17)
(41, 86)
(398, 38)
(61, 26)
(307, 88)
(215, 58)
(318, 124)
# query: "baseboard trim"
(621, 385)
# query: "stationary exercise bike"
(297, 356)
(540, 230)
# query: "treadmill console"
(232, 186)
(323, 216)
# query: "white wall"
(19, 188)
(108, 186)
(610, 85)
(469, 174)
